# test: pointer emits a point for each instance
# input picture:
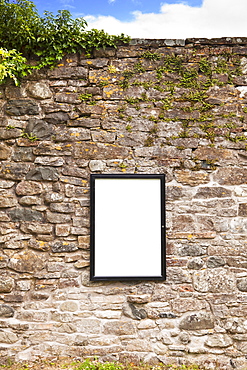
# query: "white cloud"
(215, 18)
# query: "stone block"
(119, 327)
(242, 284)
(58, 218)
(68, 73)
(39, 90)
(7, 199)
(5, 151)
(38, 128)
(13, 171)
(43, 173)
(8, 337)
(219, 340)
(217, 280)
(70, 306)
(62, 230)
(231, 176)
(57, 118)
(25, 214)
(197, 321)
(28, 188)
(36, 228)
(61, 247)
(20, 107)
(207, 192)
(64, 207)
(100, 151)
(26, 261)
(6, 285)
(242, 209)
(192, 178)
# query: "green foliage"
(12, 65)
(30, 136)
(151, 56)
(85, 97)
(49, 37)
(96, 365)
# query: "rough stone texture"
(197, 321)
(143, 117)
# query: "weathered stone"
(28, 188)
(25, 214)
(70, 306)
(5, 151)
(57, 117)
(72, 134)
(43, 173)
(62, 207)
(214, 154)
(97, 165)
(6, 284)
(36, 228)
(81, 264)
(218, 340)
(83, 242)
(61, 247)
(192, 250)
(7, 199)
(213, 192)
(231, 176)
(215, 261)
(30, 200)
(242, 284)
(54, 197)
(70, 98)
(130, 310)
(183, 223)
(119, 328)
(26, 261)
(197, 321)
(214, 280)
(192, 178)
(242, 209)
(174, 192)
(85, 122)
(195, 263)
(13, 171)
(100, 151)
(20, 107)
(38, 128)
(39, 90)
(57, 218)
(188, 304)
(68, 72)
(23, 154)
(77, 172)
(49, 161)
(62, 230)
(8, 337)
(6, 311)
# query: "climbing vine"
(46, 39)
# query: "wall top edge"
(190, 41)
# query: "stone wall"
(156, 106)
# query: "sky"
(169, 19)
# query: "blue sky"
(158, 19)
(121, 9)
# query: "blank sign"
(127, 227)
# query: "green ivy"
(46, 38)
(12, 65)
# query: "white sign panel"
(127, 227)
